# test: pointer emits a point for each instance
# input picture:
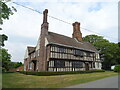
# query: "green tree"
(16, 64)
(5, 12)
(108, 51)
(3, 38)
(5, 59)
(119, 44)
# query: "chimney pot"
(45, 12)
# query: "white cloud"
(26, 23)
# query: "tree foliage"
(5, 59)
(16, 64)
(3, 38)
(5, 12)
(109, 52)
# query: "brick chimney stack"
(44, 32)
(45, 24)
(45, 16)
(76, 31)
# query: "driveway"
(110, 82)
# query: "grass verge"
(18, 80)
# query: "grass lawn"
(18, 80)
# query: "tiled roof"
(65, 40)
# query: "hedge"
(50, 73)
(117, 68)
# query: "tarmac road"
(110, 82)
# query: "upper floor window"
(78, 53)
(88, 54)
(62, 50)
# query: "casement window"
(51, 63)
(38, 52)
(77, 64)
(98, 64)
(69, 51)
(55, 49)
(34, 54)
(88, 54)
(59, 63)
(52, 48)
(78, 53)
(62, 50)
(30, 65)
(67, 64)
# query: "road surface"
(110, 82)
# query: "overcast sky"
(23, 28)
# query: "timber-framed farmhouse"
(55, 52)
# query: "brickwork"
(42, 65)
(76, 31)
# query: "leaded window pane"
(59, 63)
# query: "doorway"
(86, 66)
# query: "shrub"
(3, 69)
(50, 73)
(117, 68)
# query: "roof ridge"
(60, 34)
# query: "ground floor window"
(30, 65)
(65, 65)
(77, 64)
(59, 63)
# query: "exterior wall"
(53, 52)
(68, 54)
(42, 65)
(26, 63)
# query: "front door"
(34, 65)
(86, 66)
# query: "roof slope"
(65, 40)
(30, 49)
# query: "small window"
(77, 64)
(51, 63)
(59, 63)
(38, 52)
(78, 53)
(30, 65)
(66, 63)
(34, 54)
(62, 50)
(88, 54)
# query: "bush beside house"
(117, 68)
(45, 73)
